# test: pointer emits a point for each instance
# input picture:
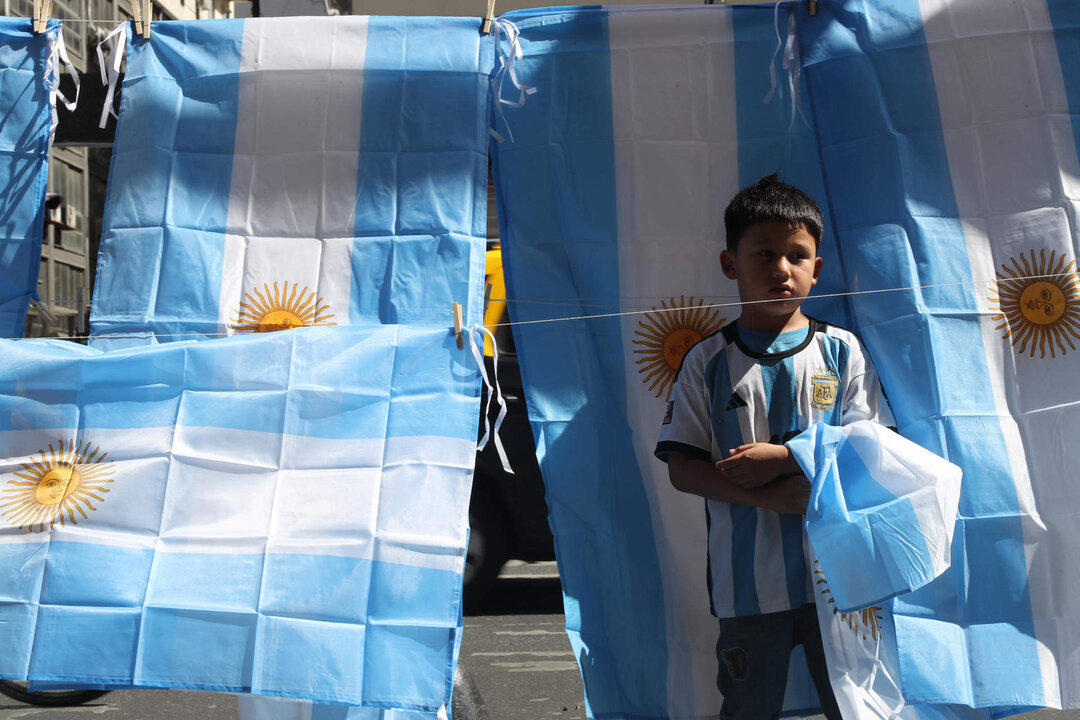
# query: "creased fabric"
(297, 176)
(280, 514)
(26, 111)
(882, 511)
(295, 171)
(644, 122)
(939, 138)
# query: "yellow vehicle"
(495, 311)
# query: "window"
(69, 181)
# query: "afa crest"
(826, 386)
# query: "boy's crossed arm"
(756, 464)
(758, 474)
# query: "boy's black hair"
(770, 199)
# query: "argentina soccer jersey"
(736, 387)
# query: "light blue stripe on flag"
(948, 158)
(421, 201)
(25, 109)
(776, 136)
(561, 236)
(891, 196)
(153, 555)
(167, 202)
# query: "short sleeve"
(864, 398)
(686, 427)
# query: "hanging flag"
(283, 172)
(281, 514)
(951, 167)
(939, 139)
(29, 70)
(644, 123)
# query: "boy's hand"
(756, 464)
(789, 494)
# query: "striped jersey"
(737, 387)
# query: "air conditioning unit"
(72, 217)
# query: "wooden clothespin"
(42, 13)
(485, 29)
(143, 15)
(456, 308)
(813, 7)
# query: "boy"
(740, 393)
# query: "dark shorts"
(754, 653)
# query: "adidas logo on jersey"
(736, 402)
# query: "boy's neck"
(771, 323)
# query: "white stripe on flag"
(676, 159)
(230, 491)
(296, 164)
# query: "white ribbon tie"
(489, 432)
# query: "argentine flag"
(948, 134)
(881, 514)
(282, 514)
(939, 138)
(881, 519)
(281, 172)
(28, 72)
(644, 123)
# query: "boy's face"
(773, 262)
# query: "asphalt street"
(514, 648)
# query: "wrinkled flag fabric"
(864, 667)
(283, 513)
(948, 132)
(28, 67)
(939, 138)
(611, 196)
(881, 513)
(881, 519)
(277, 172)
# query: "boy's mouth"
(781, 290)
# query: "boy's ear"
(727, 264)
(818, 263)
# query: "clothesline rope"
(850, 293)
(600, 316)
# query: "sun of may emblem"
(55, 486)
(665, 337)
(280, 309)
(1039, 301)
(861, 622)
